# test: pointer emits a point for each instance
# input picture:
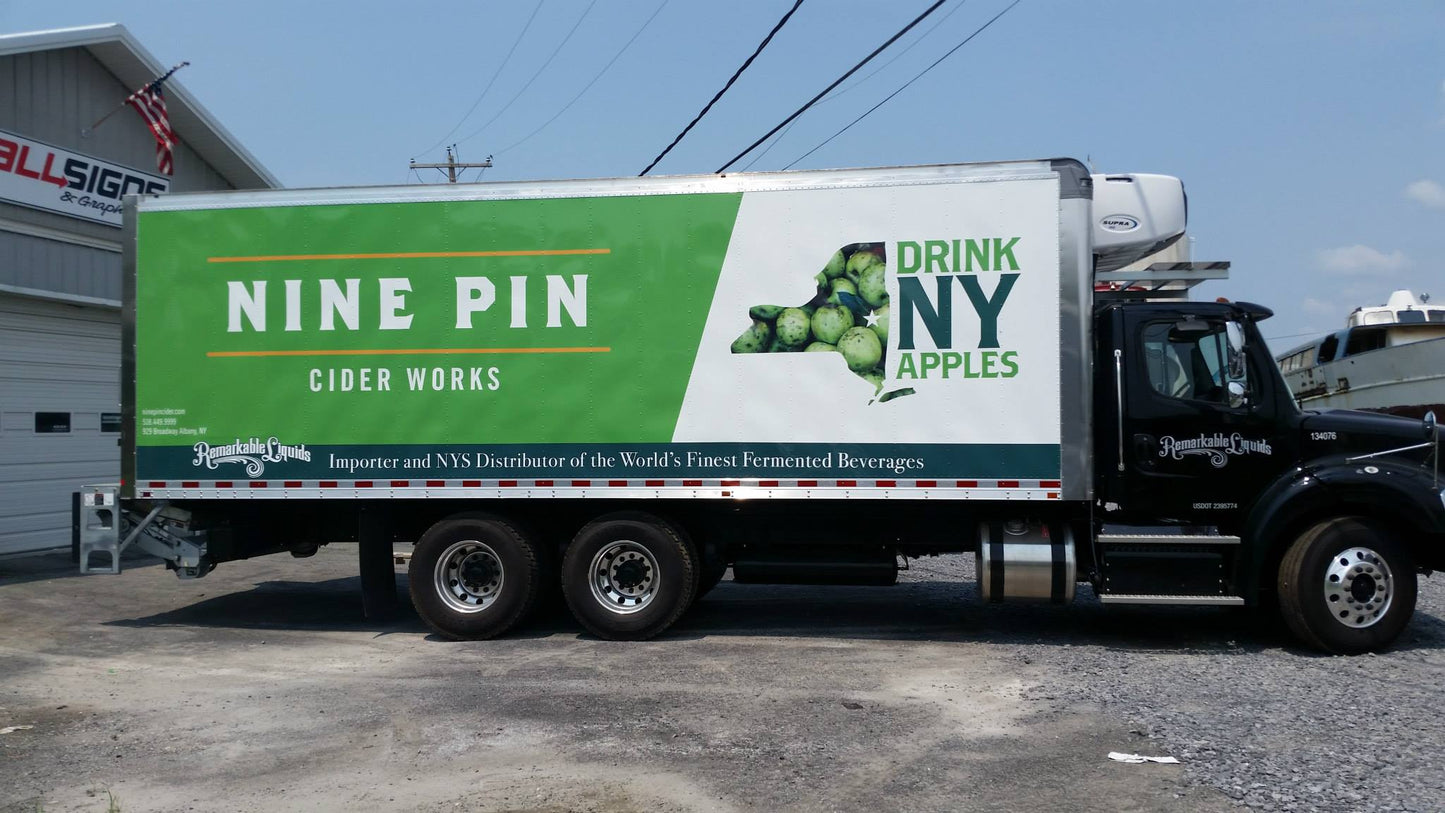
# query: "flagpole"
(86, 131)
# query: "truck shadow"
(946, 611)
(333, 604)
(55, 565)
(933, 611)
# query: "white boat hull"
(1407, 379)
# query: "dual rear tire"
(474, 576)
(626, 576)
(629, 576)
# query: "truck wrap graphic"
(848, 315)
(599, 336)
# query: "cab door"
(1200, 438)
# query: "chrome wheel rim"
(469, 576)
(624, 577)
(1358, 587)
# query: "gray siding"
(48, 265)
(57, 357)
(52, 96)
(53, 358)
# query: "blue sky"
(1310, 135)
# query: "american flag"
(150, 102)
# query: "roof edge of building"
(116, 48)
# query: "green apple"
(793, 328)
(861, 349)
(831, 322)
(755, 339)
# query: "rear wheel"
(473, 576)
(1346, 586)
(628, 576)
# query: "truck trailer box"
(869, 334)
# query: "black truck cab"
(1211, 480)
(1197, 422)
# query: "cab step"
(1166, 565)
(1147, 598)
(1166, 539)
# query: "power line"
(916, 77)
(832, 96)
(836, 82)
(909, 47)
(775, 142)
(519, 93)
(731, 80)
(588, 86)
(490, 82)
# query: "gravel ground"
(260, 687)
(1267, 724)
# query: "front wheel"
(1347, 587)
(628, 576)
(473, 576)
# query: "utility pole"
(451, 166)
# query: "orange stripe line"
(435, 351)
(408, 255)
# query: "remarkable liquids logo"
(1218, 447)
(253, 453)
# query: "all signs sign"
(35, 174)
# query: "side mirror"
(1237, 397)
(1430, 425)
(1235, 334)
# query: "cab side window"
(1194, 361)
(1166, 373)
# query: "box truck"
(619, 389)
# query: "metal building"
(60, 263)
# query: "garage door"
(59, 415)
